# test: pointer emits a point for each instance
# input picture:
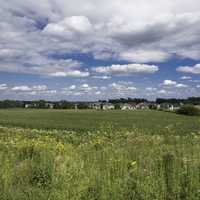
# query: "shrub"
(188, 110)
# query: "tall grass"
(99, 165)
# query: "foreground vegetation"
(149, 121)
(98, 165)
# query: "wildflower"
(133, 163)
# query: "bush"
(189, 110)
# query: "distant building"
(96, 106)
(108, 106)
(127, 106)
(49, 105)
(27, 105)
(166, 106)
(142, 106)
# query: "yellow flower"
(133, 163)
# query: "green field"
(154, 122)
(98, 155)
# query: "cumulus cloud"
(169, 83)
(32, 32)
(102, 77)
(143, 56)
(190, 69)
(180, 85)
(69, 27)
(185, 77)
(121, 87)
(3, 87)
(22, 88)
(126, 69)
(151, 89)
(52, 38)
(75, 73)
(25, 88)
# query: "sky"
(88, 50)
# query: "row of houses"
(111, 106)
(133, 106)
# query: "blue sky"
(102, 49)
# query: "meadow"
(149, 121)
(62, 158)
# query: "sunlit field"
(96, 155)
(104, 164)
(149, 121)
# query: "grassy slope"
(106, 165)
(150, 121)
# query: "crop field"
(151, 122)
(90, 155)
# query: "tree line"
(63, 104)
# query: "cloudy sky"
(91, 49)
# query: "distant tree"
(152, 107)
(188, 110)
(63, 105)
(83, 106)
(117, 106)
(41, 104)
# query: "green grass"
(149, 121)
(112, 155)
(100, 165)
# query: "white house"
(108, 106)
(127, 106)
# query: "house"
(166, 106)
(127, 106)
(108, 106)
(27, 106)
(49, 105)
(142, 106)
(96, 106)
(154, 106)
(30, 105)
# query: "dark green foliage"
(189, 110)
(83, 106)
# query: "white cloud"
(162, 92)
(40, 38)
(22, 88)
(68, 27)
(185, 77)
(188, 69)
(169, 83)
(180, 85)
(98, 92)
(151, 89)
(39, 87)
(72, 87)
(173, 84)
(122, 87)
(102, 77)
(127, 69)
(149, 32)
(85, 85)
(3, 87)
(26, 88)
(143, 56)
(75, 73)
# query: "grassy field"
(152, 122)
(101, 165)
(90, 155)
